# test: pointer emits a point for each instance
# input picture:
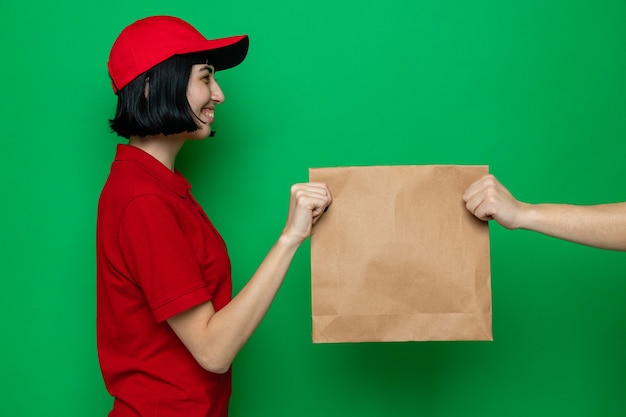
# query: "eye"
(209, 72)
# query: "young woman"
(167, 327)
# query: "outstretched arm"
(602, 225)
(215, 338)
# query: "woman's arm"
(602, 225)
(214, 339)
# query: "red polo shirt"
(157, 255)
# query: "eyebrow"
(208, 68)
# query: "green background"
(533, 88)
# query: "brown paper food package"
(397, 257)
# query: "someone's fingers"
(479, 186)
(314, 196)
(479, 207)
(319, 210)
(313, 187)
(484, 211)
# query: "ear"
(146, 87)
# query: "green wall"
(533, 88)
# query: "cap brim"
(228, 52)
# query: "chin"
(200, 134)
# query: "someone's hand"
(488, 199)
(308, 203)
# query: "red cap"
(152, 40)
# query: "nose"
(217, 95)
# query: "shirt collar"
(154, 167)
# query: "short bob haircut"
(165, 110)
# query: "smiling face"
(203, 94)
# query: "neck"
(162, 148)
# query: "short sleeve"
(160, 257)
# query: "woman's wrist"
(287, 241)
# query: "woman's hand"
(308, 203)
